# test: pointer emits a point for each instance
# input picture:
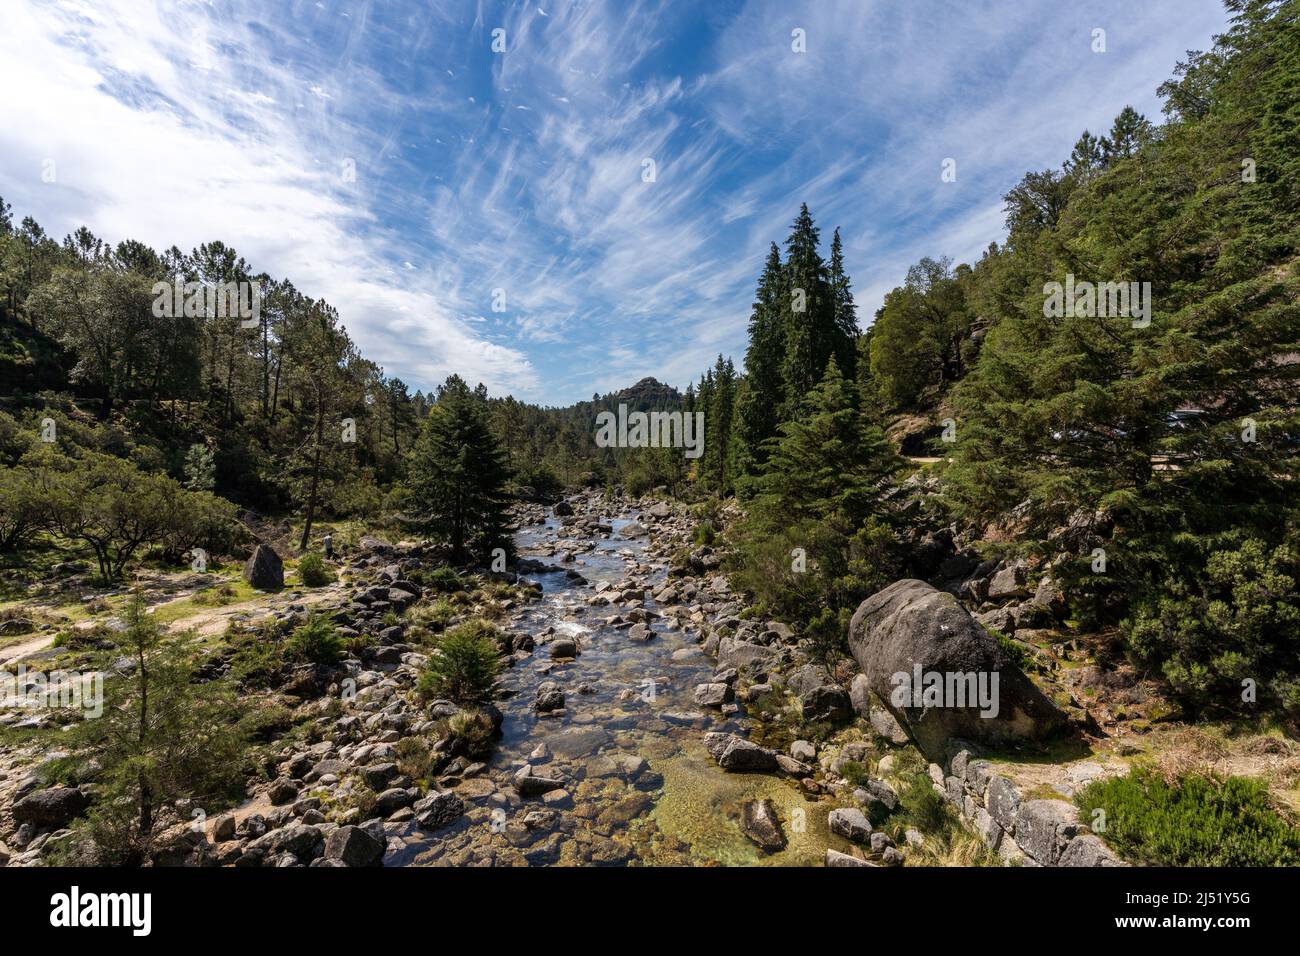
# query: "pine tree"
(845, 322)
(1130, 130)
(716, 462)
(817, 539)
(1087, 158)
(806, 310)
(818, 319)
(163, 736)
(764, 388)
(458, 477)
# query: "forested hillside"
(1152, 464)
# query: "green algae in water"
(701, 806)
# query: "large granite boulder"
(50, 809)
(940, 673)
(264, 570)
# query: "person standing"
(328, 541)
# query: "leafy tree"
(323, 372)
(115, 509)
(917, 341)
(103, 316)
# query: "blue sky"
(182, 122)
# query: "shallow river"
(683, 809)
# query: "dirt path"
(15, 652)
(210, 622)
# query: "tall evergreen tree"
(457, 477)
(716, 462)
(817, 539)
(845, 323)
(1129, 131)
(759, 412)
(808, 312)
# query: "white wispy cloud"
(181, 122)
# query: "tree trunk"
(315, 477)
(146, 793)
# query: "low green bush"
(464, 666)
(317, 641)
(445, 580)
(313, 571)
(1195, 821)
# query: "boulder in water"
(762, 825)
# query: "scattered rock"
(850, 823)
(50, 809)
(760, 823)
(836, 858)
(353, 846)
(737, 754)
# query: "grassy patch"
(1195, 820)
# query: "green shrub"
(855, 773)
(1196, 821)
(705, 533)
(445, 580)
(435, 616)
(926, 809)
(317, 641)
(474, 729)
(1019, 654)
(1233, 621)
(267, 723)
(464, 666)
(416, 758)
(313, 571)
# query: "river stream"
(624, 699)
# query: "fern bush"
(1195, 821)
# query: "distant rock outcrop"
(941, 674)
(650, 393)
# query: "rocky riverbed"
(647, 716)
(605, 710)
